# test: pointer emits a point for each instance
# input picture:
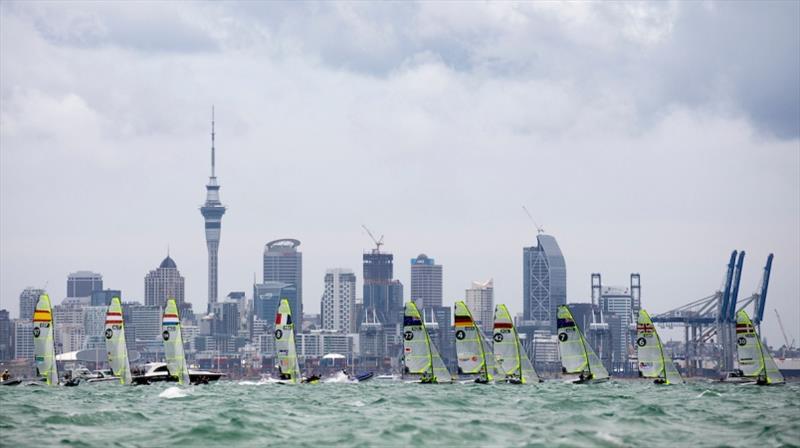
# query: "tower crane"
(378, 242)
(539, 229)
(783, 331)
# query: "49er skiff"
(576, 355)
(419, 354)
(474, 353)
(653, 362)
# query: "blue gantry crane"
(710, 322)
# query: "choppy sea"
(228, 413)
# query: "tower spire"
(212, 141)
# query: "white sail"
(115, 342)
(510, 358)
(474, 352)
(754, 359)
(288, 364)
(419, 353)
(173, 343)
(43, 346)
(576, 355)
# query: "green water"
(618, 413)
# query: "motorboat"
(158, 371)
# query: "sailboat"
(653, 362)
(576, 355)
(754, 359)
(510, 357)
(419, 354)
(173, 343)
(115, 342)
(285, 344)
(474, 353)
(43, 346)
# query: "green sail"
(510, 357)
(474, 352)
(754, 359)
(115, 342)
(576, 355)
(173, 343)
(44, 349)
(288, 364)
(419, 353)
(653, 362)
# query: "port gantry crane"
(715, 315)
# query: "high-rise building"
(544, 276)
(284, 263)
(267, 297)
(142, 323)
(69, 324)
(212, 212)
(82, 283)
(103, 297)
(480, 300)
(426, 282)
(6, 336)
(382, 294)
(226, 318)
(23, 339)
(27, 302)
(165, 282)
(339, 301)
(94, 323)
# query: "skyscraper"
(212, 212)
(426, 282)
(163, 283)
(480, 300)
(82, 283)
(6, 336)
(27, 302)
(339, 301)
(268, 295)
(544, 274)
(103, 297)
(284, 263)
(382, 294)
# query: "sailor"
(5, 375)
(762, 380)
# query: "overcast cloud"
(647, 137)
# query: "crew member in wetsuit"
(6, 376)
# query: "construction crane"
(539, 229)
(378, 242)
(787, 346)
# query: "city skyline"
(632, 165)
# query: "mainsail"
(576, 355)
(653, 362)
(419, 353)
(43, 347)
(474, 353)
(115, 342)
(285, 344)
(173, 343)
(754, 359)
(510, 357)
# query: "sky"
(646, 137)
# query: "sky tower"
(212, 212)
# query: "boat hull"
(194, 378)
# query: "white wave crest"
(173, 392)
